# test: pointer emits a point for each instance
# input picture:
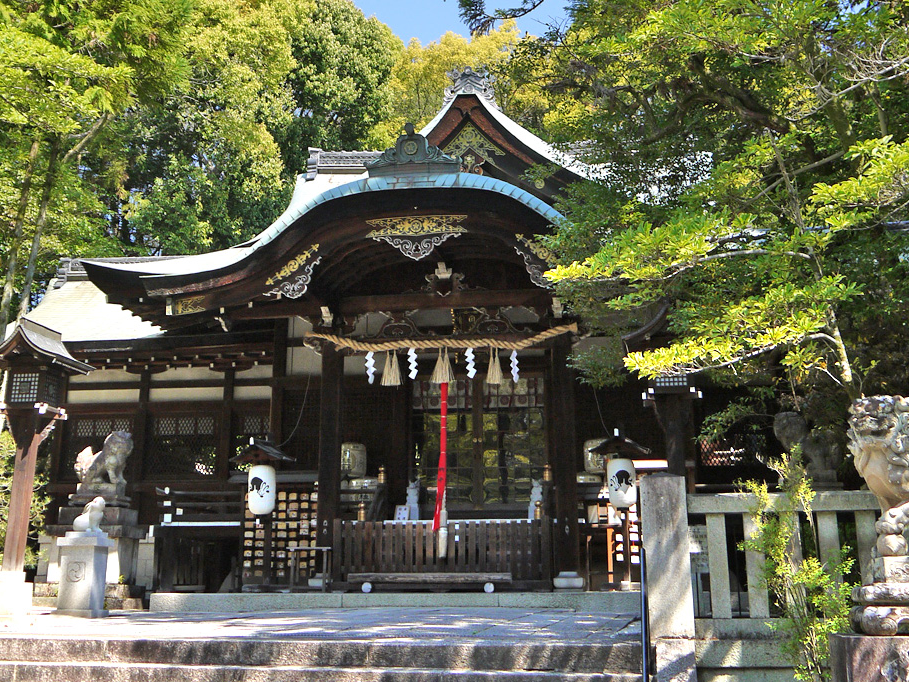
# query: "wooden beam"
(538, 298)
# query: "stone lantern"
(37, 365)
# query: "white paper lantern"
(261, 488)
(620, 477)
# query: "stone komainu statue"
(879, 441)
(111, 460)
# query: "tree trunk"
(24, 195)
(49, 180)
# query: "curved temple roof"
(151, 273)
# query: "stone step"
(147, 672)
(620, 657)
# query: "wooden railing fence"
(521, 548)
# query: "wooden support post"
(28, 437)
(673, 413)
(563, 458)
(279, 371)
(136, 462)
(330, 442)
(226, 432)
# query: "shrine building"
(319, 338)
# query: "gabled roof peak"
(466, 81)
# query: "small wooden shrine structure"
(380, 257)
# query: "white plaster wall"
(303, 360)
(163, 395)
(186, 374)
(120, 395)
(105, 375)
(252, 393)
(297, 328)
(256, 372)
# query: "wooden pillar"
(397, 462)
(330, 406)
(140, 427)
(226, 432)
(26, 433)
(279, 371)
(563, 458)
(673, 412)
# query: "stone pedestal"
(83, 567)
(868, 658)
(884, 604)
(122, 527)
(114, 494)
(568, 581)
(663, 511)
(17, 594)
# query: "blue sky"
(428, 20)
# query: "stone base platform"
(329, 645)
(590, 602)
(869, 658)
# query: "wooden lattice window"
(84, 430)
(248, 425)
(23, 387)
(182, 446)
(736, 450)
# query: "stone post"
(663, 512)
(83, 566)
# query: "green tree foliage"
(420, 76)
(213, 164)
(170, 126)
(751, 152)
(68, 69)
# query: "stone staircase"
(116, 597)
(31, 658)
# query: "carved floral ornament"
(416, 236)
(472, 139)
(297, 287)
(187, 306)
(535, 258)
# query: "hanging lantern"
(443, 373)
(391, 376)
(494, 373)
(621, 479)
(261, 485)
(261, 482)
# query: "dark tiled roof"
(72, 270)
(351, 161)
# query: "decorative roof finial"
(466, 81)
(412, 153)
